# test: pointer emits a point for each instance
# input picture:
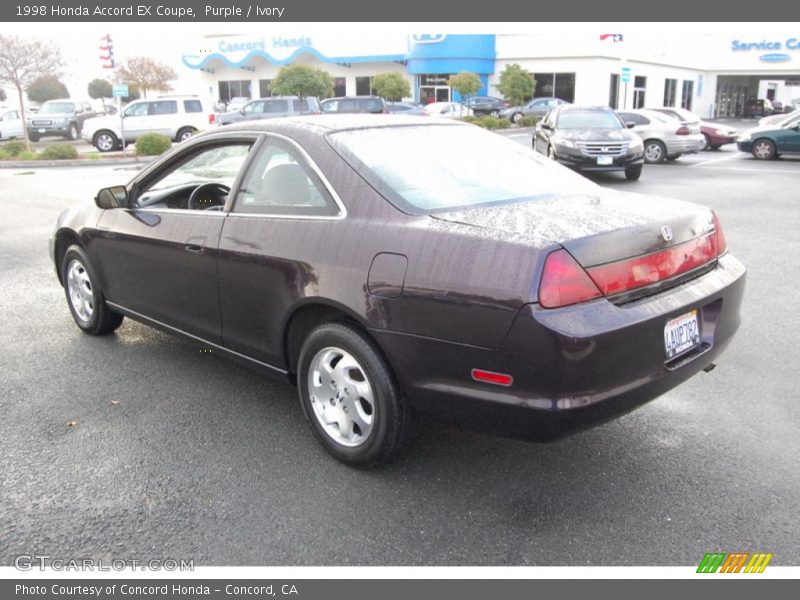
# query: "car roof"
(327, 123)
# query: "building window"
(434, 88)
(339, 87)
(234, 89)
(364, 86)
(670, 89)
(264, 88)
(639, 88)
(613, 91)
(555, 85)
(686, 96)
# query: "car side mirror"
(112, 197)
(630, 124)
(547, 126)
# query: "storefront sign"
(263, 43)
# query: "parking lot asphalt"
(176, 453)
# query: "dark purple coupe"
(397, 266)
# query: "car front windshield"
(57, 107)
(440, 167)
(585, 119)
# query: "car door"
(135, 120)
(275, 107)
(641, 123)
(158, 257)
(279, 221)
(789, 137)
(253, 110)
(10, 124)
(162, 117)
(537, 108)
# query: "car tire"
(84, 297)
(633, 173)
(763, 149)
(105, 141)
(707, 143)
(184, 134)
(715, 148)
(654, 151)
(494, 113)
(516, 117)
(350, 396)
(73, 132)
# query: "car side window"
(276, 106)
(138, 110)
(280, 182)
(253, 107)
(78, 107)
(219, 163)
(163, 107)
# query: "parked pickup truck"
(62, 118)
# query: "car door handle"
(196, 244)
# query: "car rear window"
(424, 169)
(192, 106)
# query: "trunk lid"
(595, 228)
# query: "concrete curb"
(79, 162)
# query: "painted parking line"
(714, 161)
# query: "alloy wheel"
(342, 397)
(81, 295)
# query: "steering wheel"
(195, 200)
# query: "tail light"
(684, 130)
(564, 282)
(212, 118)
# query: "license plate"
(681, 334)
(605, 160)
(43, 131)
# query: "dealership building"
(712, 75)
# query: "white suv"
(177, 117)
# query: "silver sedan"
(665, 138)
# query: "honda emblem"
(666, 233)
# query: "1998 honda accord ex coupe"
(394, 267)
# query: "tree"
(47, 88)
(147, 74)
(100, 88)
(303, 81)
(391, 86)
(466, 84)
(23, 61)
(516, 84)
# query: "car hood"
(596, 228)
(763, 129)
(592, 134)
(50, 115)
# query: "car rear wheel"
(184, 134)
(633, 173)
(350, 397)
(84, 296)
(105, 141)
(763, 150)
(654, 151)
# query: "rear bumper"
(685, 144)
(573, 367)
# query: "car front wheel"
(105, 141)
(516, 117)
(763, 150)
(633, 173)
(350, 397)
(73, 132)
(84, 296)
